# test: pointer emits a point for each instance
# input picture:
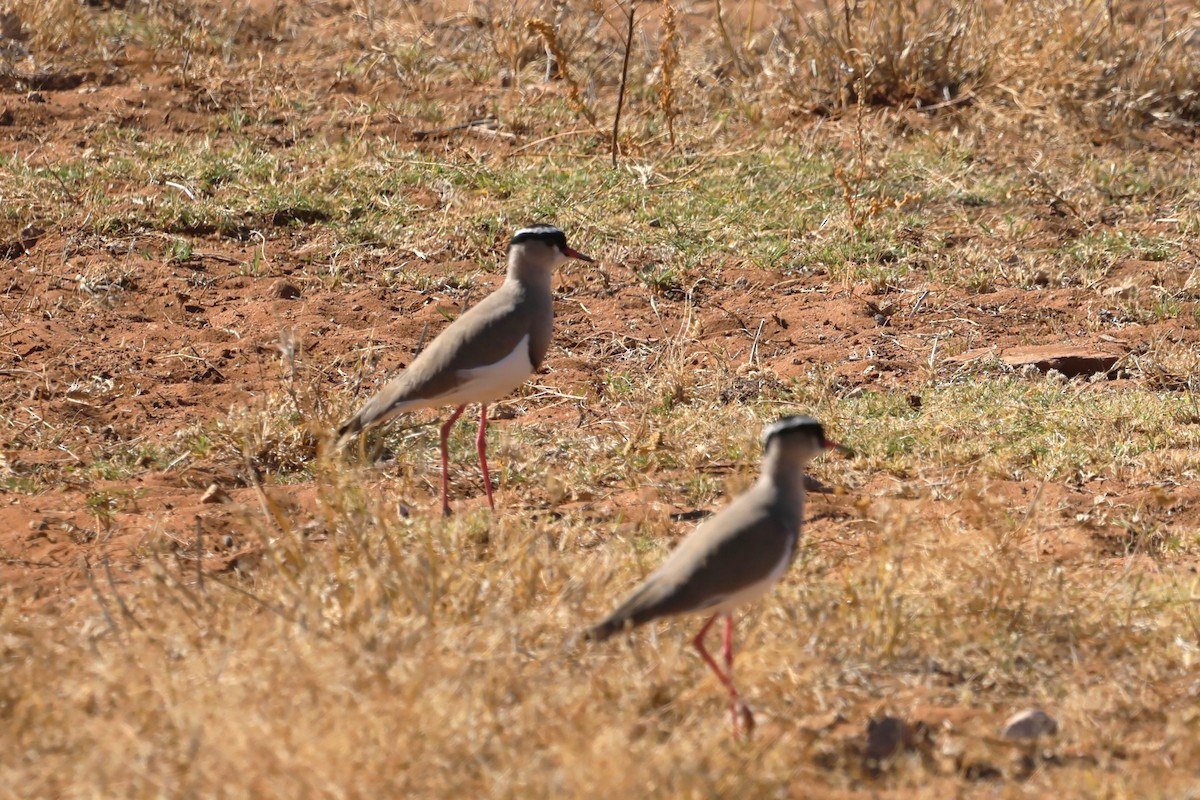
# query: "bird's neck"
(782, 482)
(533, 277)
(784, 473)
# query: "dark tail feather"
(640, 607)
(350, 427)
(376, 411)
(609, 627)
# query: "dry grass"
(370, 653)
(351, 644)
(357, 650)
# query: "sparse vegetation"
(225, 224)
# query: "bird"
(484, 354)
(735, 556)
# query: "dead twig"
(274, 609)
(421, 340)
(917, 305)
(433, 133)
(624, 77)
(112, 584)
(199, 556)
(112, 623)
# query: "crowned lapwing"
(735, 556)
(486, 353)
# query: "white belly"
(493, 382)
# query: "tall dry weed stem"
(668, 58)
(574, 93)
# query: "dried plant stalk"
(574, 95)
(668, 58)
(624, 77)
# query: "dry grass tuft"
(562, 63)
(668, 60)
(890, 53)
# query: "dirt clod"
(285, 291)
(885, 737)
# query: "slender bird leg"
(736, 706)
(481, 446)
(446, 426)
(698, 643)
(725, 679)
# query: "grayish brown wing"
(730, 553)
(484, 335)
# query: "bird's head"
(543, 246)
(799, 439)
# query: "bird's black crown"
(790, 425)
(541, 233)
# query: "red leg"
(727, 650)
(446, 459)
(481, 447)
(726, 677)
(698, 642)
(736, 706)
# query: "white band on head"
(537, 229)
(788, 424)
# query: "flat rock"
(1070, 361)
